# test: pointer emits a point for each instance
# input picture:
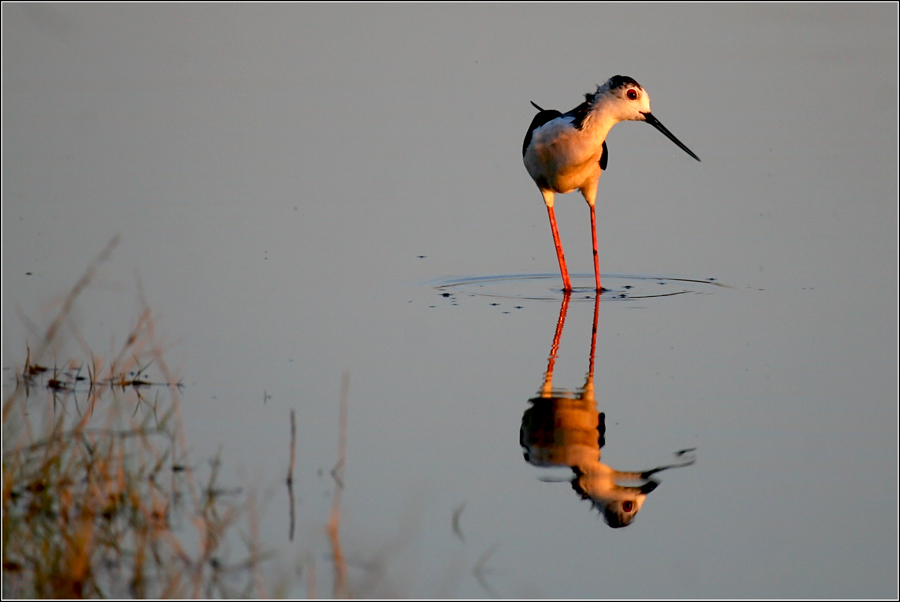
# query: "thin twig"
(456, 528)
(340, 565)
(290, 475)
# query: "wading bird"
(564, 152)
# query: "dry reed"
(99, 496)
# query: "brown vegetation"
(99, 496)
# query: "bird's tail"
(535, 106)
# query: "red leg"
(567, 286)
(596, 254)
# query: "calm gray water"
(297, 188)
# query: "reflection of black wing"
(540, 119)
(604, 157)
(601, 430)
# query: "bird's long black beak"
(649, 118)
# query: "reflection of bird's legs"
(546, 390)
(589, 381)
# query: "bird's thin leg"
(596, 254)
(589, 192)
(567, 285)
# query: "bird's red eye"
(632, 94)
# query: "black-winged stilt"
(564, 152)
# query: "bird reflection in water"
(563, 428)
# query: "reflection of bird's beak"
(649, 118)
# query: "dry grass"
(99, 496)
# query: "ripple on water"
(547, 287)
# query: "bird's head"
(623, 99)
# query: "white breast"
(561, 157)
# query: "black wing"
(604, 157)
(540, 119)
(578, 114)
